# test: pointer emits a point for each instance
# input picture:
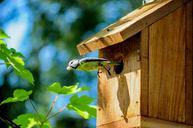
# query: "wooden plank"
(144, 56)
(157, 123)
(132, 122)
(119, 94)
(129, 25)
(162, 9)
(188, 66)
(167, 67)
(97, 41)
(144, 122)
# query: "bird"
(91, 64)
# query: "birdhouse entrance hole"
(119, 68)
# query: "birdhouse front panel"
(119, 93)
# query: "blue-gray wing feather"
(90, 59)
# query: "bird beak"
(69, 68)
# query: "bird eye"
(71, 62)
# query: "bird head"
(72, 64)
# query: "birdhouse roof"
(129, 25)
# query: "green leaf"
(3, 35)
(30, 121)
(15, 53)
(18, 66)
(81, 106)
(2, 42)
(19, 60)
(18, 95)
(19, 69)
(81, 100)
(26, 121)
(14, 59)
(24, 73)
(56, 87)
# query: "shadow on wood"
(123, 95)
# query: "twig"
(52, 106)
(8, 121)
(38, 115)
(60, 110)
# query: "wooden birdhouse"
(153, 88)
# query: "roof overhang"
(129, 25)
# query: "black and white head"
(73, 64)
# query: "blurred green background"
(47, 32)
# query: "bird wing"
(90, 59)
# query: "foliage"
(30, 121)
(79, 104)
(3, 35)
(18, 95)
(14, 59)
(72, 89)
(82, 107)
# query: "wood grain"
(119, 94)
(144, 122)
(188, 66)
(167, 67)
(132, 122)
(144, 59)
(129, 25)
(156, 81)
(157, 123)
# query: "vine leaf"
(30, 121)
(81, 106)
(67, 90)
(3, 35)
(18, 95)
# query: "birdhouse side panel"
(167, 95)
(188, 65)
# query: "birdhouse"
(152, 88)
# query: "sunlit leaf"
(2, 42)
(3, 35)
(19, 69)
(19, 60)
(15, 53)
(56, 87)
(14, 59)
(30, 121)
(81, 100)
(81, 106)
(18, 95)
